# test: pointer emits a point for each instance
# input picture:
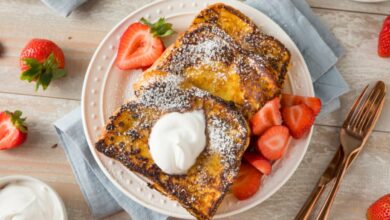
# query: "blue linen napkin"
(102, 197)
(318, 46)
(63, 7)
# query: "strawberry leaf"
(42, 73)
(159, 28)
(58, 73)
(17, 121)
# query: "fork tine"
(354, 106)
(368, 107)
(361, 109)
(379, 103)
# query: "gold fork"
(328, 175)
(354, 134)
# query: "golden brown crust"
(224, 53)
(204, 186)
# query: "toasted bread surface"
(204, 186)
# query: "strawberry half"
(384, 39)
(266, 117)
(140, 45)
(247, 182)
(380, 210)
(299, 119)
(41, 61)
(13, 132)
(312, 102)
(259, 162)
(274, 142)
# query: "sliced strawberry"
(266, 117)
(384, 39)
(312, 102)
(247, 182)
(259, 162)
(299, 119)
(140, 45)
(13, 132)
(273, 143)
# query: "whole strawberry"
(41, 61)
(13, 131)
(380, 210)
(384, 39)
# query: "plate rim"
(127, 193)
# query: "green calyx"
(42, 73)
(17, 121)
(160, 28)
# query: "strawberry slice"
(384, 39)
(247, 182)
(13, 132)
(259, 162)
(299, 119)
(266, 117)
(273, 143)
(140, 45)
(312, 102)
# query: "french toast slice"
(224, 53)
(206, 183)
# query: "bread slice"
(224, 53)
(204, 186)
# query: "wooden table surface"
(356, 25)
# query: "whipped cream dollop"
(177, 139)
(27, 200)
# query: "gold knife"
(326, 178)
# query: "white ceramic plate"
(106, 87)
(57, 201)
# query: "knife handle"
(310, 203)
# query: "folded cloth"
(102, 197)
(63, 7)
(319, 47)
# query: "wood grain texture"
(81, 32)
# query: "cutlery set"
(354, 133)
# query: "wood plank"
(36, 157)
(349, 5)
(360, 65)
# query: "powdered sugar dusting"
(166, 93)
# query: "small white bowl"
(56, 198)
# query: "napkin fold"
(102, 197)
(63, 7)
(318, 46)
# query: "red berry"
(299, 119)
(247, 182)
(380, 210)
(259, 162)
(274, 142)
(266, 117)
(42, 61)
(312, 102)
(13, 132)
(384, 39)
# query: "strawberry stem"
(42, 73)
(160, 28)
(17, 120)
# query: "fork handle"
(324, 213)
(310, 203)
